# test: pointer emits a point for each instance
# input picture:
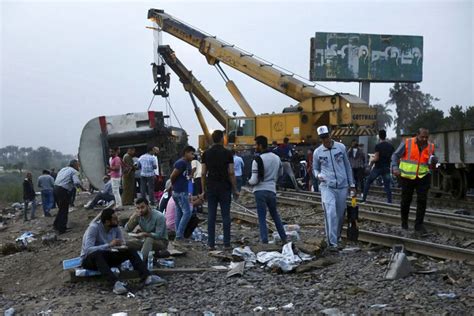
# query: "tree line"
(415, 109)
(27, 158)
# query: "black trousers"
(421, 185)
(62, 197)
(103, 260)
(359, 174)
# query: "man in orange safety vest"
(411, 162)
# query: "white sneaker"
(119, 288)
(155, 280)
(110, 204)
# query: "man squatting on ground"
(100, 252)
(266, 169)
(332, 169)
(106, 194)
(152, 233)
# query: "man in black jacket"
(29, 195)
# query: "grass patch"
(11, 187)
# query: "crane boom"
(216, 51)
(192, 85)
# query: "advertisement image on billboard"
(366, 57)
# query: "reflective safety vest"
(414, 164)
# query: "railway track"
(414, 245)
(447, 224)
(433, 201)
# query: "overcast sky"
(64, 64)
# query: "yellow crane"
(346, 114)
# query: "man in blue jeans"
(179, 179)
(266, 169)
(383, 154)
(46, 185)
(218, 183)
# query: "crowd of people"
(217, 177)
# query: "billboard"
(366, 57)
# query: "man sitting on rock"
(152, 229)
(105, 194)
(103, 247)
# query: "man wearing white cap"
(332, 168)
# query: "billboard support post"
(364, 94)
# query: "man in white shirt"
(239, 170)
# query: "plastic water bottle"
(150, 260)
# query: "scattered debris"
(399, 266)
(258, 309)
(410, 296)
(378, 305)
(287, 260)
(447, 295)
(220, 255)
(332, 312)
(10, 312)
(17, 206)
(236, 268)
(220, 268)
(312, 246)
(246, 254)
(25, 239)
(317, 264)
(49, 238)
(449, 279)
(288, 307)
(430, 271)
(350, 249)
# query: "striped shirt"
(68, 178)
(147, 165)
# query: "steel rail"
(445, 225)
(418, 246)
(443, 201)
(413, 245)
(436, 216)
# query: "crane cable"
(171, 108)
(168, 107)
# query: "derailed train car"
(128, 130)
(455, 150)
